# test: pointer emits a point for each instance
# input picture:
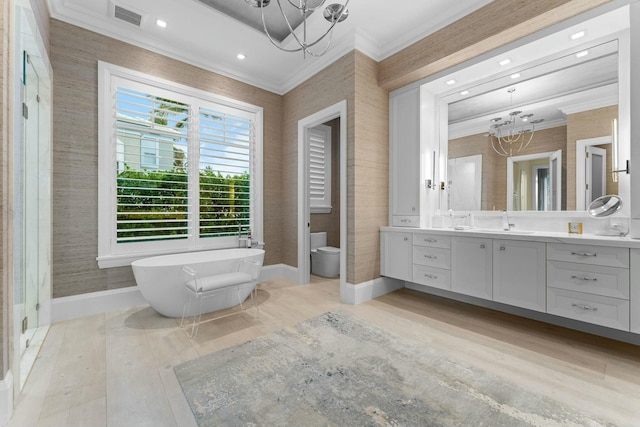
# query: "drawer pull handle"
(430, 276)
(406, 239)
(431, 256)
(584, 307)
(583, 253)
(502, 248)
(589, 279)
(482, 246)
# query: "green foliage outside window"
(153, 205)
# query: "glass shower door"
(30, 215)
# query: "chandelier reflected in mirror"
(513, 133)
(333, 13)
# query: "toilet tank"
(318, 240)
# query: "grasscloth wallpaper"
(75, 53)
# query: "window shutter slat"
(225, 166)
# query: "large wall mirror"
(542, 132)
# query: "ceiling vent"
(127, 15)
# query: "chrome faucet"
(244, 242)
(506, 224)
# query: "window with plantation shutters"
(179, 169)
(319, 140)
(224, 173)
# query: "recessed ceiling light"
(241, 56)
(464, 92)
(576, 36)
(504, 62)
(515, 75)
(160, 23)
(451, 82)
(581, 54)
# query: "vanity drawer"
(432, 240)
(599, 310)
(430, 276)
(583, 254)
(592, 279)
(432, 257)
(405, 221)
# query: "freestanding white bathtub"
(162, 281)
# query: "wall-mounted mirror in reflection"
(539, 139)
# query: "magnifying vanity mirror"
(543, 135)
(605, 206)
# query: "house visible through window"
(319, 140)
(149, 154)
(179, 168)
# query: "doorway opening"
(591, 172)
(330, 218)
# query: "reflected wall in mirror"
(568, 162)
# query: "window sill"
(125, 260)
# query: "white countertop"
(533, 236)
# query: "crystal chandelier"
(333, 13)
(511, 133)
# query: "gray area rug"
(337, 370)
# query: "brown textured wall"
(371, 172)
(74, 57)
(330, 86)
(588, 124)
(498, 23)
(354, 78)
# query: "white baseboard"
(89, 304)
(73, 307)
(365, 291)
(279, 271)
(6, 398)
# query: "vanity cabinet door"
(634, 291)
(404, 158)
(397, 255)
(519, 274)
(472, 267)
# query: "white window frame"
(112, 254)
(322, 205)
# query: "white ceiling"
(200, 35)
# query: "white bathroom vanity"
(478, 215)
(549, 276)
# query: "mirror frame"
(482, 69)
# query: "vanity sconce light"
(614, 154)
(431, 184)
(626, 169)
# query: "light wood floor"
(116, 369)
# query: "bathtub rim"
(195, 257)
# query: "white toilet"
(325, 260)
